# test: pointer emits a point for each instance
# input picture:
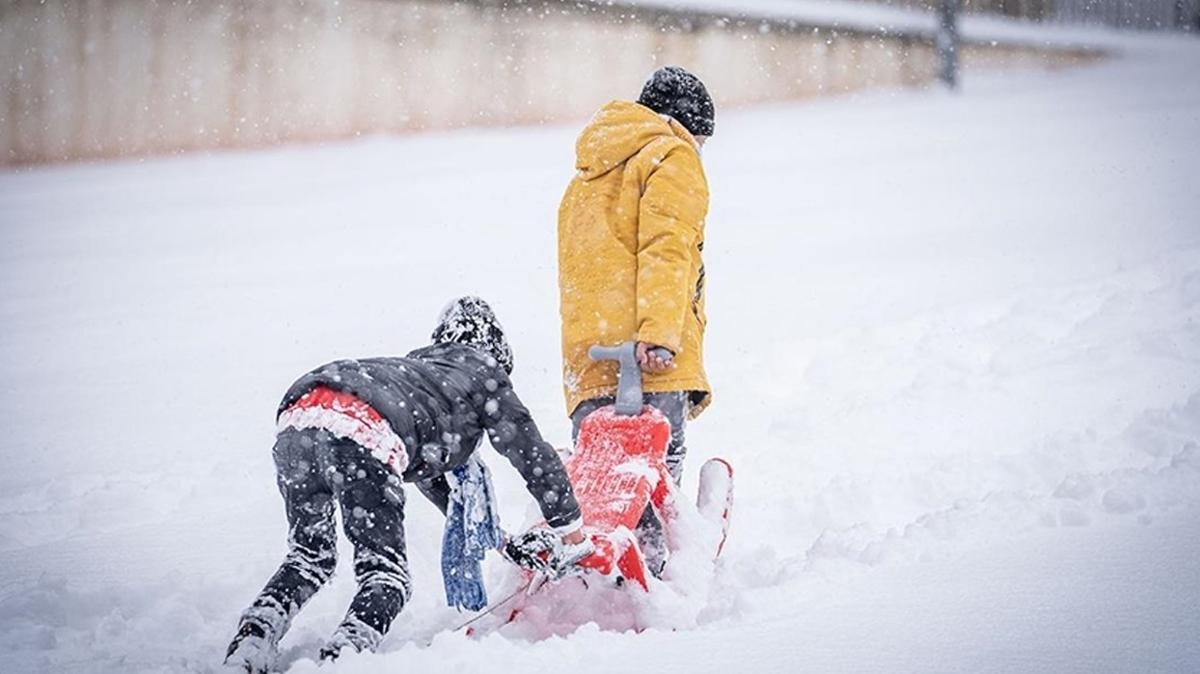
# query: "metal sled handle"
(629, 377)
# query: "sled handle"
(629, 377)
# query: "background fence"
(1136, 14)
(105, 78)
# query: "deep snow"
(954, 342)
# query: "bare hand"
(650, 361)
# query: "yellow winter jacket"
(630, 236)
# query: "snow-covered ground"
(955, 342)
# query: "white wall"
(103, 78)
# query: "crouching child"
(351, 433)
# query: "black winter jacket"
(440, 400)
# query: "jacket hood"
(619, 131)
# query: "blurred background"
(88, 79)
(953, 289)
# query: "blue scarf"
(472, 528)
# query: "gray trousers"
(317, 474)
(675, 406)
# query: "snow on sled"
(618, 468)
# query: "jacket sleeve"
(670, 218)
(437, 491)
(513, 433)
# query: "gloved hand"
(530, 550)
(542, 550)
(569, 555)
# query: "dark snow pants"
(675, 406)
(317, 472)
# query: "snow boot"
(251, 650)
(353, 633)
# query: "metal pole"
(947, 44)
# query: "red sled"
(617, 470)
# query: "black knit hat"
(676, 92)
(469, 320)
